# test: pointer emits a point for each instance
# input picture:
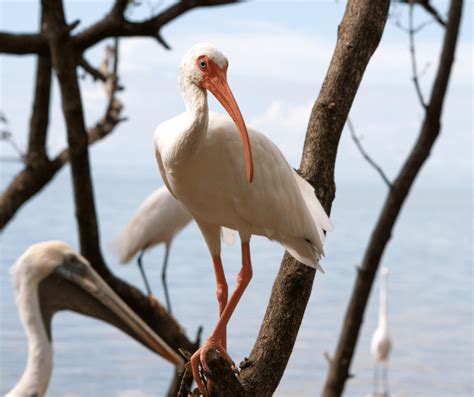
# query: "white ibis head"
(206, 67)
(64, 280)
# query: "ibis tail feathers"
(320, 218)
(304, 252)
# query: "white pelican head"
(50, 277)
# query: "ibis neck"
(383, 302)
(37, 374)
(197, 112)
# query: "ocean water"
(430, 294)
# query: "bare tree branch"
(23, 43)
(8, 137)
(224, 381)
(40, 169)
(95, 73)
(112, 25)
(119, 7)
(429, 132)
(416, 81)
(115, 24)
(366, 155)
(36, 154)
(428, 8)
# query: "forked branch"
(364, 153)
(40, 169)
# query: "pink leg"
(243, 279)
(222, 291)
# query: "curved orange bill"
(216, 82)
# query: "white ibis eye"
(203, 64)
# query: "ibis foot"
(199, 359)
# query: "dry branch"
(95, 73)
(401, 186)
(23, 43)
(115, 24)
(40, 169)
(364, 154)
(426, 4)
(415, 77)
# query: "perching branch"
(366, 155)
(397, 196)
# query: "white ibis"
(50, 277)
(232, 176)
(158, 219)
(381, 344)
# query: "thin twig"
(366, 156)
(415, 78)
(7, 136)
(95, 73)
(422, 25)
(431, 10)
(428, 8)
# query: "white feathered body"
(210, 180)
(381, 345)
(157, 220)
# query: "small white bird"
(200, 159)
(381, 344)
(50, 277)
(158, 219)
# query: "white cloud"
(271, 51)
(264, 49)
(285, 124)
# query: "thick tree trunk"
(339, 369)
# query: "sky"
(279, 53)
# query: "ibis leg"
(386, 391)
(222, 291)
(140, 266)
(243, 280)
(163, 278)
(214, 341)
(375, 383)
